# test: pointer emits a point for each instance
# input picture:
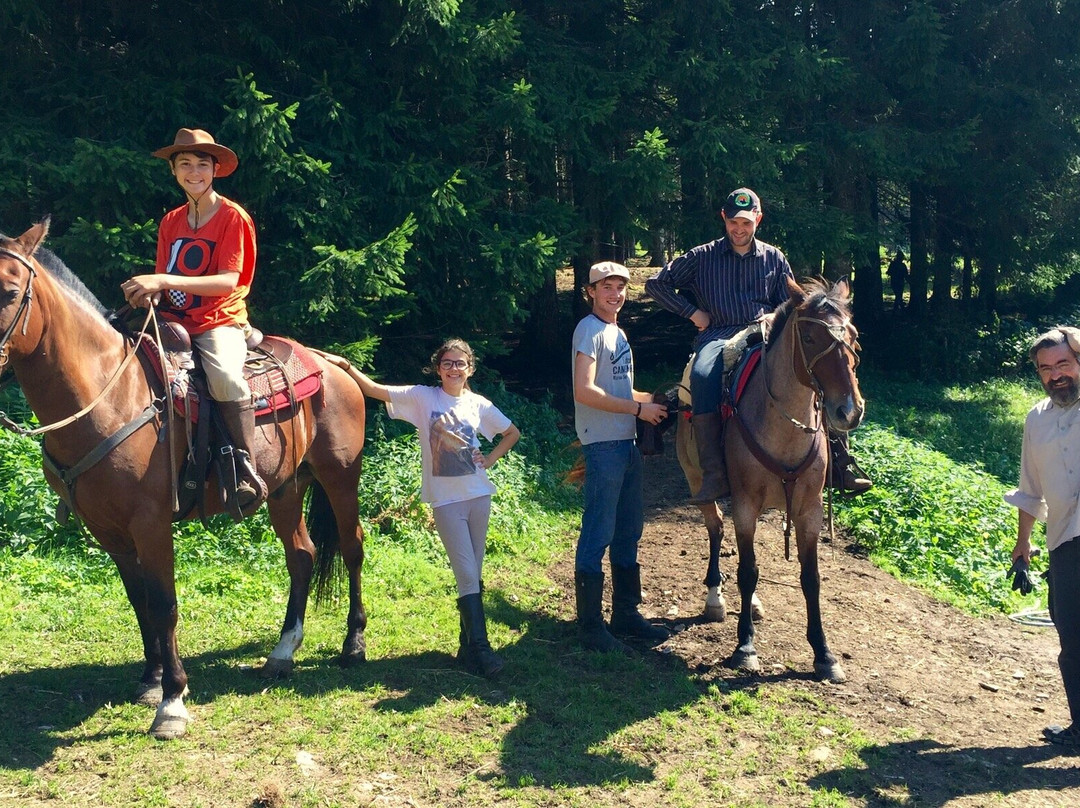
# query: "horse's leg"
(745, 656)
(159, 584)
(286, 509)
(715, 603)
(825, 664)
(341, 495)
(148, 691)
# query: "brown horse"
(776, 449)
(776, 446)
(70, 361)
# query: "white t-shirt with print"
(448, 428)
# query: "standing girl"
(455, 481)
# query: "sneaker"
(1063, 736)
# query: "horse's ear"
(795, 292)
(843, 287)
(30, 240)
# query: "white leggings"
(463, 529)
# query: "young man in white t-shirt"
(606, 406)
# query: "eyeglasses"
(454, 364)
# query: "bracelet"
(638, 410)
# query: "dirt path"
(956, 704)
(933, 686)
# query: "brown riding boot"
(709, 438)
(847, 477)
(239, 418)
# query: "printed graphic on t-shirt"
(622, 364)
(452, 446)
(189, 257)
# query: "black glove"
(1023, 580)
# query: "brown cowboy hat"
(199, 140)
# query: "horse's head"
(826, 346)
(18, 268)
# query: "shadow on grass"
(931, 775)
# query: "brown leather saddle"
(281, 374)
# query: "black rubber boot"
(589, 588)
(479, 658)
(626, 620)
(709, 438)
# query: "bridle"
(839, 333)
(789, 476)
(24, 305)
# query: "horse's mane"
(60, 272)
(68, 279)
(821, 298)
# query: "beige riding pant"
(223, 350)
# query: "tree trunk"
(919, 266)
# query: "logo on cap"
(743, 200)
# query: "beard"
(1063, 391)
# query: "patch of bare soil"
(955, 704)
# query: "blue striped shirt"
(735, 290)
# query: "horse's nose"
(847, 413)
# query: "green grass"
(561, 728)
(941, 458)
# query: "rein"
(790, 476)
(154, 409)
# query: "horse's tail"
(323, 531)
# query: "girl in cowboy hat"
(203, 272)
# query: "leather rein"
(789, 476)
(68, 476)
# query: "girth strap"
(788, 476)
(68, 476)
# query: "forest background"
(422, 168)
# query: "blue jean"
(613, 512)
(707, 377)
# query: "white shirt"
(448, 427)
(1050, 470)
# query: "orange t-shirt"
(226, 243)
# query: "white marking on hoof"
(280, 662)
(757, 611)
(830, 672)
(171, 720)
(715, 605)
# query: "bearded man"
(1048, 491)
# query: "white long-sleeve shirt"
(1049, 486)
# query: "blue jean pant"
(613, 511)
(707, 377)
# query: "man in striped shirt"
(735, 281)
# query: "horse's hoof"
(830, 672)
(171, 720)
(740, 661)
(169, 728)
(149, 695)
(276, 668)
(715, 612)
(353, 652)
(349, 660)
(757, 611)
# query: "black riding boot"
(626, 620)
(239, 418)
(478, 657)
(594, 635)
(709, 438)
